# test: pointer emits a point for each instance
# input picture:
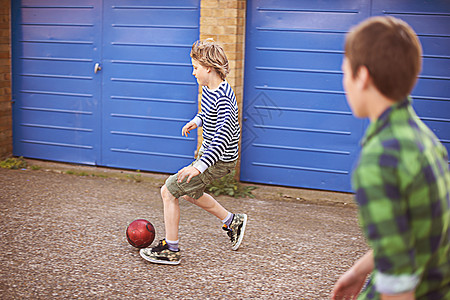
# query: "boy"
(402, 179)
(217, 155)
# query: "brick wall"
(5, 80)
(224, 21)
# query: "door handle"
(97, 68)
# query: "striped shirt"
(220, 122)
(402, 186)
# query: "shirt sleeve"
(222, 137)
(381, 193)
(198, 121)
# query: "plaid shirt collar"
(383, 120)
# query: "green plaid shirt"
(402, 187)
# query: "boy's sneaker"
(236, 230)
(161, 254)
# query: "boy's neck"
(214, 82)
(377, 104)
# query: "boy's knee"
(165, 193)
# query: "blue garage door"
(104, 82)
(297, 128)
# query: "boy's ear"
(363, 77)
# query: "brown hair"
(390, 50)
(210, 54)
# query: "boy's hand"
(189, 171)
(351, 282)
(348, 286)
(187, 128)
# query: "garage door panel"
(136, 35)
(181, 108)
(135, 70)
(43, 13)
(434, 47)
(135, 159)
(154, 91)
(62, 135)
(309, 5)
(163, 54)
(301, 157)
(53, 118)
(439, 127)
(336, 21)
(147, 120)
(81, 34)
(46, 101)
(428, 87)
(300, 40)
(300, 60)
(146, 137)
(58, 67)
(64, 152)
(437, 67)
(57, 52)
(287, 175)
(435, 24)
(42, 84)
(289, 117)
(299, 79)
(429, 108)
(402, 6)
(305, 14)
(302, 98)
(302, 137)
(159, 15)
(156, 142)
(160, 108)
(80, 136)
(44, 3)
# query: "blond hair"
(210, 54)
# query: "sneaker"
(236, 230)
(161, 254)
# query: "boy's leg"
(234, 224)
(208, 203)
(167, 252)
(172, 210)
(171, 214)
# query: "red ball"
(140, 233)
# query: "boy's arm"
(188, 127)
(384, 217)
(189, 172)
(351, 282)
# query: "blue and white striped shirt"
(221, 130)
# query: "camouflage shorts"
(196, 187)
